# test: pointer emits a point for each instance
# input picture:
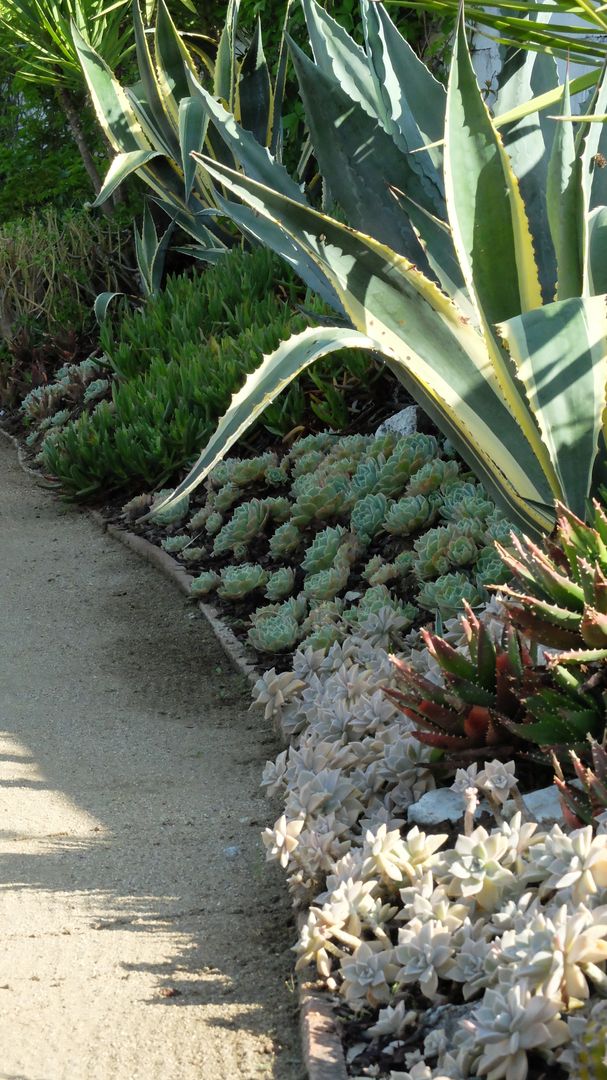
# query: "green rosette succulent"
(226, 497)
(247, 522)
(205, 583)
(214, 522)
(238, 581)
(173, 514)
(447, 593)
(280, 584)
(410, 514)
(326, 584)
(274, 633)
(285, 541)
(323, 549)
(175, 544)
(432, 476)
(251, 470)
(368, 515)
(331, 500)
(408, 456)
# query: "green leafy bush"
(52, 266)
(179, 360)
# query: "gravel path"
(141, 935)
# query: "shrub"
(178, 361)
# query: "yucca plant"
(473, 263)
(155, 125)
(496, 699)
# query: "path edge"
(322, 1047)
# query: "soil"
(144, 937)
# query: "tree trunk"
(69, 107)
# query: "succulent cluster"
(47, 408)
(492, 946)
(370, 533)
(490, 696)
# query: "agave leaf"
(437, 242)
(255, 159)
(340, 59)
(528, 142)
(150, 85)
(192, 131)
(597, 250)
(112, 107)
(565, 208)
(275, 142)
(271, 235)
(122, 166)
(254, 91)
(499, 265)
(173, 61)
(225, 64)
(429, 346)
(261, 387)
(102, 303)
(359, 160)
(560, 353)
(413, 101)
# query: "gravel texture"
(143, 937)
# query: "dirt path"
(141, 935)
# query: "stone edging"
(321, 1045)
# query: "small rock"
(232, 851)
(544, 805)
(435, 807)
(402, 423)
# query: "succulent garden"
(349, 369)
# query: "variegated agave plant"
(472, 262)
(155, 125)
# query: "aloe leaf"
(359, 160)
(275, 372)
(433, 350)
(413, 100)
(560, 353)
(254, 91)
